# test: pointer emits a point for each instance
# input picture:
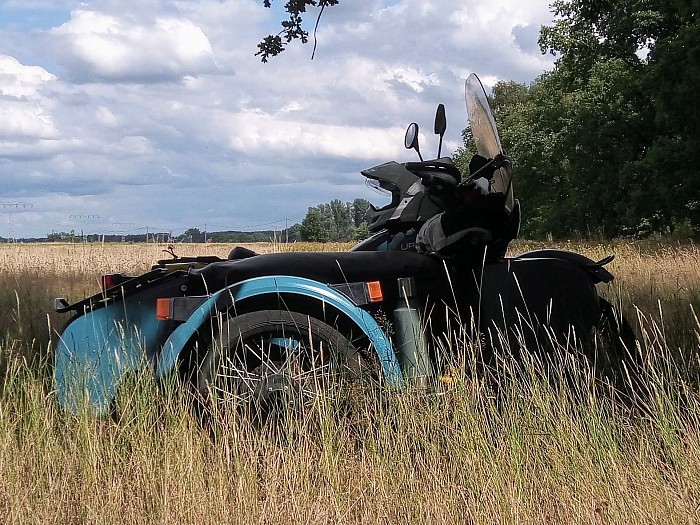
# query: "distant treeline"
(191, 235)
(335, 221)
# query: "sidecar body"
(155, 319)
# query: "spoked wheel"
(270, 365)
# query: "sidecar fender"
(97, 349)
(594, 268)
(222, 300)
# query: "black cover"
(467, 230)
(332, 268)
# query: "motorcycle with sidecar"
(253, 329)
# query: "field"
(539, 452)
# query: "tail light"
(361, 293)
(178, 308)
(112, 280)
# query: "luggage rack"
(125, 287)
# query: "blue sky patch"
(27, 20)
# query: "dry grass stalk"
(538, 452)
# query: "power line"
(243, 227)
(84, 218)
(12, 208)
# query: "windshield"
(486, 140)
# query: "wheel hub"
(276, 396)
(274, 386)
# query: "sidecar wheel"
(613, 348)
(272, 364)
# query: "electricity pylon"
(11, 208)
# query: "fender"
(98, 348)
(594, 268)
(107, 339)
(276, 284)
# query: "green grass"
(539, 451)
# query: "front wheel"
(273, 363)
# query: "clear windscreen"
(485, 135)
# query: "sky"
(127, 117)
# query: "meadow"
(538, 452)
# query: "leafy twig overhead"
(273, 45)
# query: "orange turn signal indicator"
(374, 289)
(164, 308)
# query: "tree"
(340, 220)
(674, 74)
(192, 235)
(335, 221)
(273, 45)
(359, 212)
(607, 142)
(361, 233)
(314, 227)
(640, 63)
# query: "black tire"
(613, 349)
(269, 364)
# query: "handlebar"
(435, 174)
(488, 169)
(434, 165)
(438, 174)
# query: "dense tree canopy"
(608, 142)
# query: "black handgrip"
(434, 165)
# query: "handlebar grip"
(433, 165)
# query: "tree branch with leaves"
(273, 45)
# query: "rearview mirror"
(410, 141)
(440, 120)
(440, 125)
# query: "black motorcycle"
(255, 330)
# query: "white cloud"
(39, 149)
(25, 120)
(24, 113)
(20, 81)
(106, 117)
(121, 48)
(292, 106)
(165, 111)
(131, 146)
(415, 79)
(254, 131)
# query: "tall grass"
(537, 451)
